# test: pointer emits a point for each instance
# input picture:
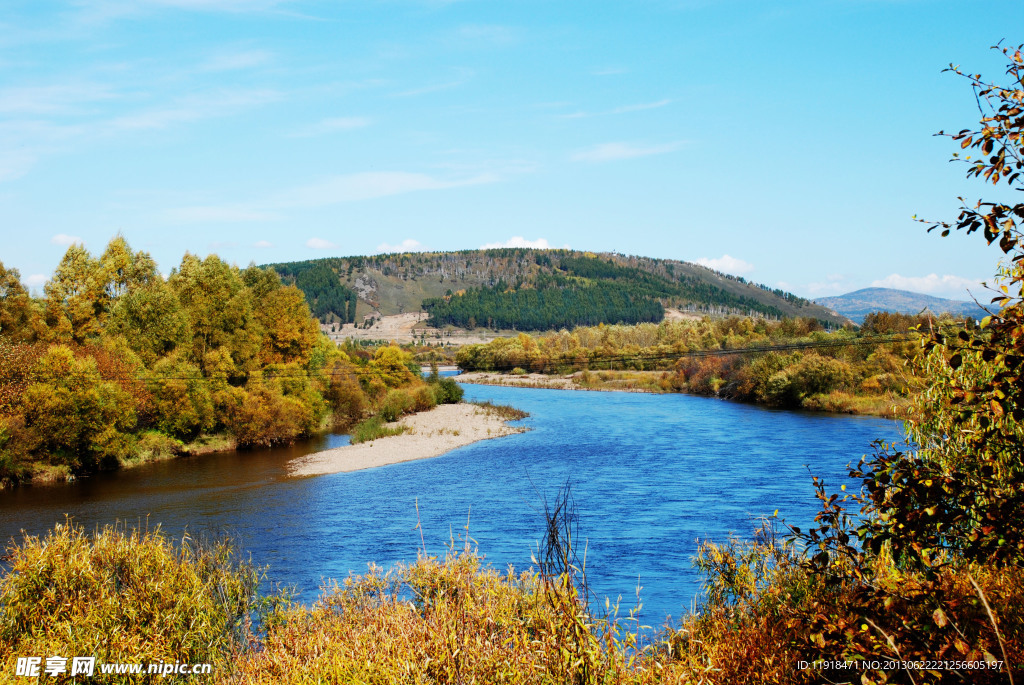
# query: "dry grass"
(124, 596)
(450, 621)
(133, 596)
(506, 412)
(373, 428)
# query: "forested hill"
(860, 303)
(530, 289)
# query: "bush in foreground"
(450, 621)
(124, 596)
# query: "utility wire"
(586, 362)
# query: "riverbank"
(887, 405)
(427, 434)
(636, 381)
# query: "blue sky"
(786, 141)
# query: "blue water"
(651, 475)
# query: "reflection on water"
(651, 475)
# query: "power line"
(581, 363)
(716, 352)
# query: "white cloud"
(462, 76)
(607, 152)
(489, 34)
(619, 110)
(370, 185)
(115, 8)
(520, 241)
(14, 165)
(65, 239)
(263, 244)
(35, 280)
(214, 214)
(610, 71)
(407, 245)
(196, 108)
(237, 60)
(333, 190)
(330, 126)
(822, 288)
(834, 284)
(320, 244)
(946, 285)
(52, 99)
(727, 264)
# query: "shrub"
(423, 398)
(344, 395)
(505, 411)
(124, 595)
(74, 416)
(467, 624)
(14, 465)
(181, 399)
(373, 428)
(266, 417)
(155, 445)
(395, 404)
(392, 366)
(447, 391)
(815, 374)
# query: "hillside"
(858, 304)
(527, 289)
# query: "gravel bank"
(429, 434)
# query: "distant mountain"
(527, 289)
(860, 303)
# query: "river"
(650, 474)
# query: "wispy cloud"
(65, 240)
(489, 34)
(320, 244)
(624, 109)
(215, 214)
(263, 244)
(370, 185)
(196, 108)
(237, 60)
(463, 75)
(59, 99)
(608, 152)
(330, 191)
(609, 71)
(330, 125)
(35, 280)
(14, 164)
(117, 8)
(53, 120)
(727, 264)
(520, 241)
(407, 245)
(834, 284)
(932, 284)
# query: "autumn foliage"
(118, 363)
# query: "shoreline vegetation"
(891, 405)
(791, 364)
(422, 436)
(118, 365)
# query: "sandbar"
(555, 382)
(429, 434)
